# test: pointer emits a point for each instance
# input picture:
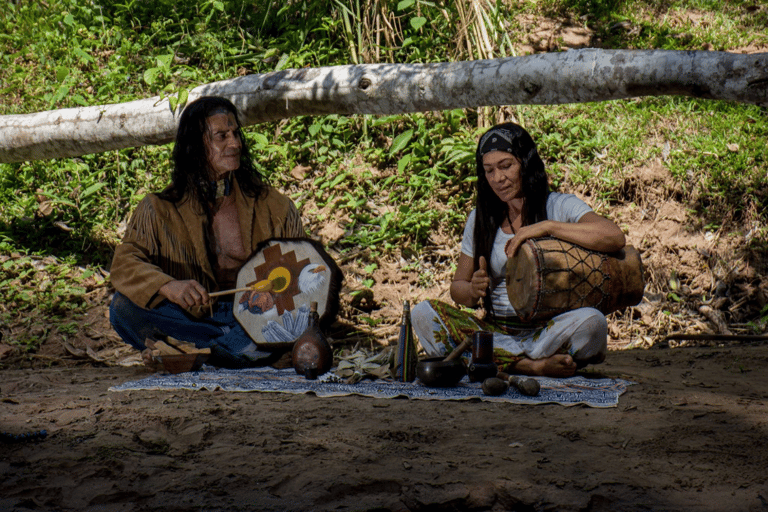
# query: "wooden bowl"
(180, 363)
(437, 373)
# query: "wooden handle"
(265, 285)
(460, 349)
(227, 292)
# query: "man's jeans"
(229, 343)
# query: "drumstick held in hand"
(481, 273)
(261, 286)
(227, 292)
(265, 285)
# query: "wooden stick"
(261, 286)
(460, 349)
(227, 292)
(721, 337)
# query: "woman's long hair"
(491, 211)
(191, 172)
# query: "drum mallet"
(460, 349)
(499, 384)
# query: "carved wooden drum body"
(548, 277)
(284, 277)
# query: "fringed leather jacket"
(166, 241)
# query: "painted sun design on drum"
(278, 279)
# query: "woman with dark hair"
(193, 237)
(514, 203)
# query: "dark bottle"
(312, 355)
(405, 363)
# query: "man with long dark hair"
(193, 237)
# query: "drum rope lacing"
(570, 254)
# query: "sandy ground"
(688, 436)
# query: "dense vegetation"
(381, 178)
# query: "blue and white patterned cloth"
(570, 391)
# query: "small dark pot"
(438, 373)
(478, 372)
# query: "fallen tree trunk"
(574, 76)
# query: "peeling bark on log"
(574, 76)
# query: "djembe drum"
(276, 286)
(549, 276)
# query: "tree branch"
(574, 76)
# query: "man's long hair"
(191, 171)
(491, 211)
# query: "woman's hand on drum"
(480, 281)
(186, 294)
(538, 230)
(591, 231)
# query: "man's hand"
(186, 294)
(480, 280)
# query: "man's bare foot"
(558, 365)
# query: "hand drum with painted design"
(284, 276)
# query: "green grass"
(392, 181)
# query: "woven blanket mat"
(569, 391)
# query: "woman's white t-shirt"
(560, 208)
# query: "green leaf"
(76, 98)
(61, 73)
(92, 189)
(84, 57)
(282, 62)
(384, 120)
(400, 142)
(150, 75)
(165, 61)
(313, 129)
(61, 92)
(403, 163)
(183, 97)
(338, 179)
(404, 4)
(260, 139)
(418, 22)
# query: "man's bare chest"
(226, 236)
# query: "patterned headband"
(496, 139)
